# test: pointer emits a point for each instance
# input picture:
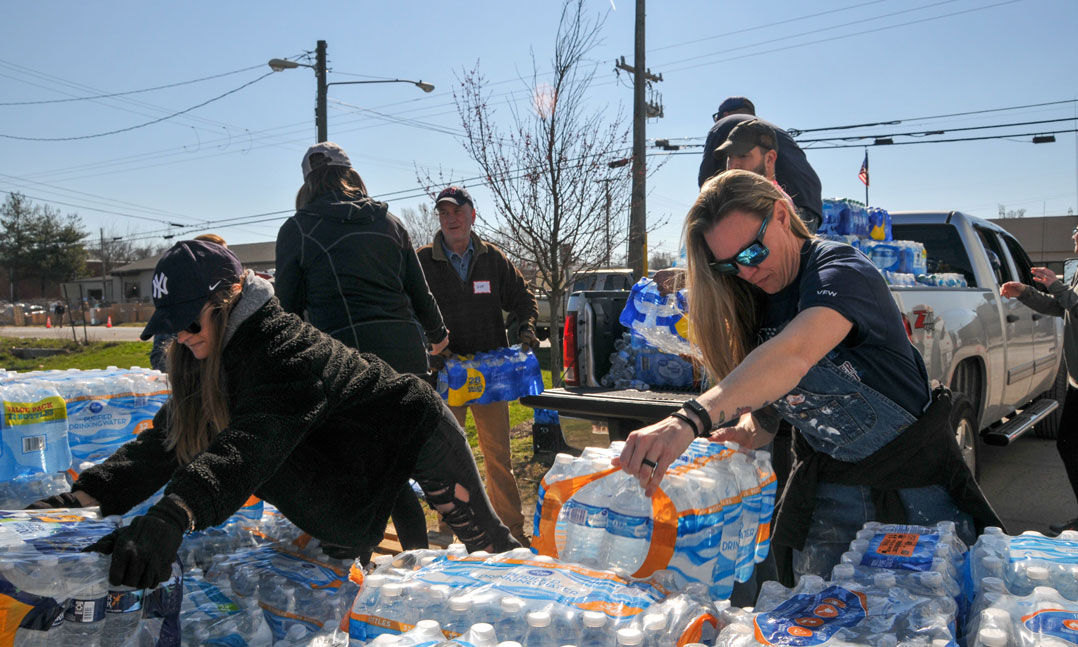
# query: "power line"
(143, 125)
(795, 132)
(129, 92)
(928, 133)
(80, 206)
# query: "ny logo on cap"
(160, 286)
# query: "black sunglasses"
(750, 256)
(194, 328)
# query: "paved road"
(94, 333)
(1027, 485)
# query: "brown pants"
(492, 428)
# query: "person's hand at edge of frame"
(528, 340)
(669, 280)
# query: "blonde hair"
(724, 312)
(212, 238)
(330, 179)
(199, 406)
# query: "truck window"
(1021, 261)
(996, 256)
(944, 248)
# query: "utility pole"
(320, 106)
(638, 196)
(103, 289)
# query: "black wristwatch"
(697, 409)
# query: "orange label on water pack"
(898, 543)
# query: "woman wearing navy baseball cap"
(265, 404)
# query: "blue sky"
(805, 65)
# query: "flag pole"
(866, 183)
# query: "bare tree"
(559, 204)
(115, 249)
(421, 223)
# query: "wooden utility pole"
(638, 256)
(320, 106)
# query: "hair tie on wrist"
(692, 423)
(700, 412)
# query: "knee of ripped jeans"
(451, 500)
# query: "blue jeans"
(841, 510)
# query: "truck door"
(1046, 339)
(1019, 350)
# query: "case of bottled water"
(659, 319)
(709, 523)
(53, 594)
(481, 599)
(33, 429)
(499, 375)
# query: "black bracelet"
(692, 423)
(698, 409)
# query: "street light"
(280, 64)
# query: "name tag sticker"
(481, 287)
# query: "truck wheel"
(1049, 427)
(964, 424)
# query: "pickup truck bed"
(622, 409)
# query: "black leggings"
(409, 520)
(1067, 439)
(450, 480)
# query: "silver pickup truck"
(1002, 359)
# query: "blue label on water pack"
(1035, 547)
(806, 620)
(627, 525)
(230, 640)
(1054, 622)
(583, 514)
(901, 548)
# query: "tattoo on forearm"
(742, 411)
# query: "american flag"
(863, 174)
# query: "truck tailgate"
(643, 407)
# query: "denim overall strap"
(839, 415)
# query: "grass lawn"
(123, 354)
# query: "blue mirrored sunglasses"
(750, 256)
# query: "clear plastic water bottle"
(123, 613)
(511, 625)
(425, 632)
(459, 617)
(594, 631)
(653, 628)
(768, 490)
(84, 615)
(244, 583)
(629, 637)
(481, 634)
(391, 602)
(586, 517)
(538, 633)
(628, 527)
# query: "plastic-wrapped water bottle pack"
(51, 594)
(450, 598)
(499, 375)
(898, 585)
(1043, 618)
(659, 319)
(636, 364)
(59, 420)
(709, 522)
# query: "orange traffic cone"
(48, 322)
(108, 323)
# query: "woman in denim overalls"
(805, 328)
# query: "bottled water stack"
(722, 497)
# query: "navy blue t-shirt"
(877, 351)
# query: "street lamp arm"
(279, 64)
(426, 87)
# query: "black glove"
(62, 500)
(143, 552)
(528, 340)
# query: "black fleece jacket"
(323, 432)
(351, 265)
